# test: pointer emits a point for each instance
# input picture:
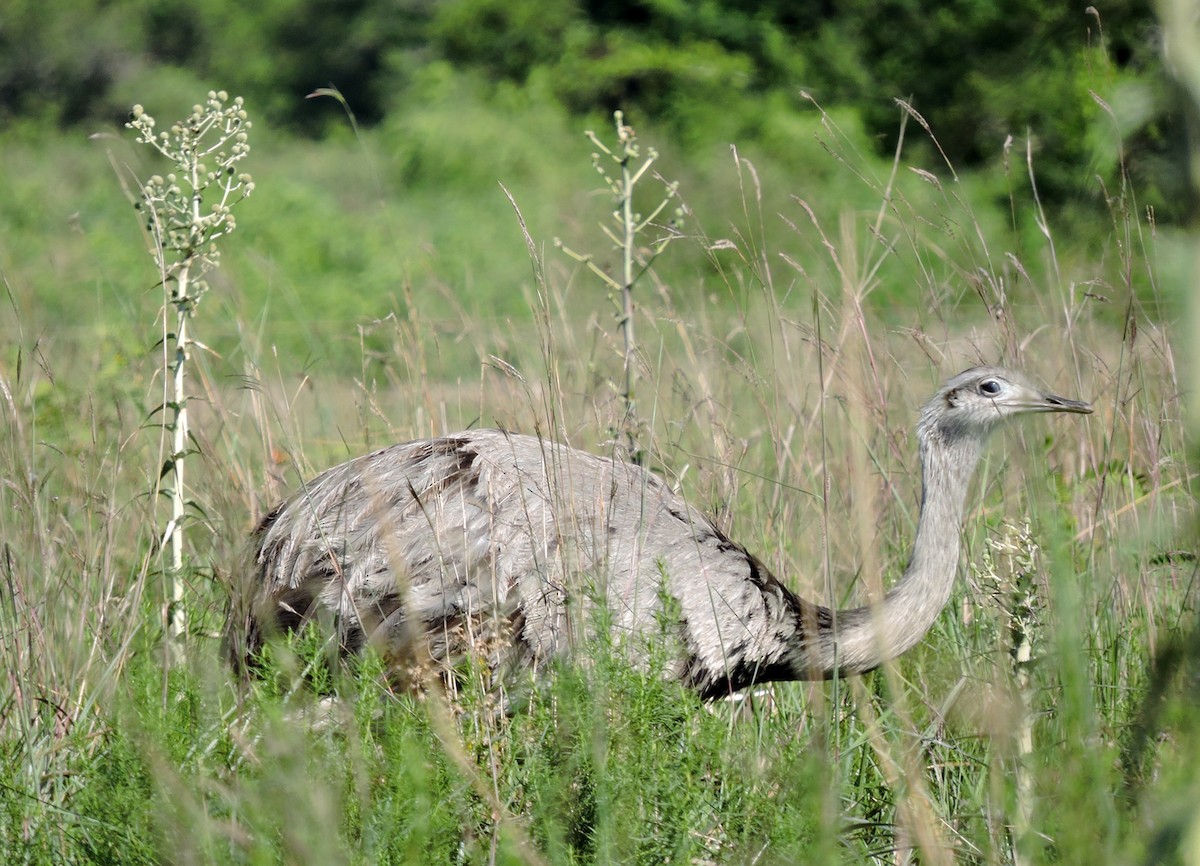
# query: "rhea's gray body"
(504, 541)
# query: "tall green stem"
(183, 237)
(176, 614)
(629, 224)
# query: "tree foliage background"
(711, 71)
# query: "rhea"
(510, 545)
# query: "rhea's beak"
(1051, 403)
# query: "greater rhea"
(509, 545)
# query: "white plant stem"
(627, 248)
(1023, 819)
(176, 611)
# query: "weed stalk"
(628, 225)
(1008, 572)
(204, 149)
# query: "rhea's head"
(976, 401)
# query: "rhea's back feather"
(489, 526)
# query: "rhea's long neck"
(862, 638)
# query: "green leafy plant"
(186, 212)
(627, 226)
(1009, 572)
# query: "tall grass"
(779, 396)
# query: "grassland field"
(380, 288)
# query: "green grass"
(381, 290)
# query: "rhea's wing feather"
(384, 525)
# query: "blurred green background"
(454, 98)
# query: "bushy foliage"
(978, 70)
(49, 74)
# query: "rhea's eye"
(989, 387)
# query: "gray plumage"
(508, 545)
